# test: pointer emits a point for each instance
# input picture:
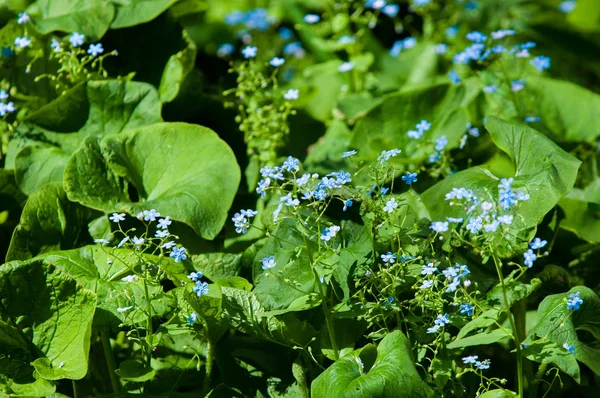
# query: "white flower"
(390, 206)
(22, 42)
(291, 94)
(123, 309)
(137, 241)
(23, 18)
(116, 217)
(164, 222)
(76, 39)
(346, 67)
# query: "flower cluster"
(5, 107)
(241, 220)
(481, 365)
(421, 127)
(200, 288)
(574, 301)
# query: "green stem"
(513, 325)
(110, 361)
(149, 334)
(538, 377)
(210, 354)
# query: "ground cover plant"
(300, 198)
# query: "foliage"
(299, 198)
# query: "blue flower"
(442, 320)
(454, 78)
(7, 52)
(194, 276)
(291, 164)
(396, 48)
(537, 244)
(150, 215)
(476, 37)
(517, 85)
(225, 50)
(391, 10)
(268, 262)
(383, 191)
(467, 309)
(235, 18)
(95, 49)
(502, 33)
(541, 63)
(389, 258)
(390, 206)
(285, 33)
(347, 203)
(249, 52)
(328, 233)
(311, 18)
(409, 42)
(201, 288)
(569, 348)
(451, 32)
(23, 18)
(76, 39)
(441, 48)
(567, 6)
(409, 178)
(192, 318)
(439, 226)
(346, 39)
(22, 42)
(472, 359)
(257, 19)
(532, 119)
(276, 61)
(483, 365)
(441, 143)
(428, 269)
(574, 301)
(346, 67)
(262, 187)
(530, 257)
(421, 3)
(475, 224)
(294, 48)
(384, 156)
(163, 223)
(178, 254)
(347, 154)
(116, 217)
(492, 88)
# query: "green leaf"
(133, 370)
(393, 373)
(243, 311)
(386, 125)
(547, 351)
(101, 270)
(217, 265)
(582, 212)
(178, 67)
(49, 222)
(49, 318)
(480, 339)
(579, 329)
(135, 12)
(179, 169)
(499, 393)
(543, 170)
(90, 17)
(568, 111)
(40, 155)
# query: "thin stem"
(110, 361)
(513, 325)
(149, 335)
(210, 354)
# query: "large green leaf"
(543, 170)
(101, 270)
(579, 329)
(46, 323)
(392, 374)
(567, 110)
(178, 67)
(135, 12)
(582, 212)
(39, 155)
(49, 222)
(182, 170)
(90, 17)
(386, 126)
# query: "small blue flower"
(442, 320)
(472, 359)
(235, 18)
(384, 191)
(225, 50)
(475, 224)
(22, 42)
(537, 244)
(150, 215)
(530, 257)
(95, 49)
(532, 119)
(311, 18)
(346, 67)
(483, 365)
(441, 48)
(428, 269)
(409, 42)
(23, 18)
(163, 223)
(569, 348)
(76, 39)
(389, 258)
(329, 233)
(476, 37)
(178, 254)
(441, 143)
(291, 164)
(268, 262)
(490, 89)
(249, 52)
(201, 288)
(390, 206)
(285, 33)
(347, 203)
(391, 10)
(451, 32)
(541, 63)
(276, 61)
(421, 3)
(195, 276)
(467, 309)
(409, 178)
(574, 301)
(454, 78)
(439, 226)
(192, 318)
(294, 48)
(502, 33)
(517, 85)
(567, 6)
(347, 154)
(7, 52)
(396, 48)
